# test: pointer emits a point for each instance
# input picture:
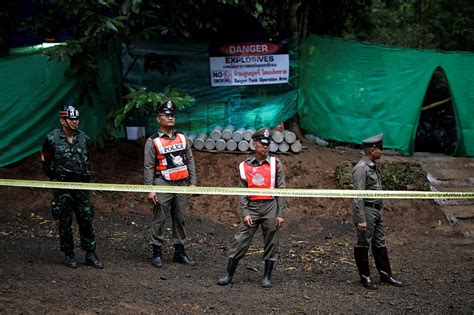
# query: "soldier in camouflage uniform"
(367, 216)
(65, 157)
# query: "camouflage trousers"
(65, 203)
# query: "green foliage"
(343, 174)
(403, 176)
(426, 24)
(140, 100)
(395, 176)
(101, 26)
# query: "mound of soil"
(315, 271)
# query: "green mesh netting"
(32, 90)
(243, 106)
(351, 91)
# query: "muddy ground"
(315, 272)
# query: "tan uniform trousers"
(374, 234)
(263, 213)
(173, 205)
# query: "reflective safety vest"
(263, 176)
(171, 158)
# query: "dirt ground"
(315, 272)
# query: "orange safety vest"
(171, 158)
(263, 176)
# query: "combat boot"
(266, 281)
(383, 265)
(70, 261)
(231, 267)
(93, 260)
(157, 257)
(361, 256)
(180, 256)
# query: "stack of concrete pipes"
(231, 139)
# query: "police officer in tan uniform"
(259, 171)
(169, 161)
(368, 218)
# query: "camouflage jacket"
(66, 161)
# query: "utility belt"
(376, 205)
(71, 177)
(260, 201)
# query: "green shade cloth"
(350, 91)
(240, 106)
(32, 91)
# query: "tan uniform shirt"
(365, 177)
(150, 159)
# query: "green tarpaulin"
(348, 91)
(242, 106)
(351, 91)
(31, 92)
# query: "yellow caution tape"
(234, 191)
(436, 104)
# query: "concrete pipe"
(273, 146)
(289, 136)
(209, 144)
(296, 147)
(283, 147)
(227, 132)
(216, 133)
(231, 145)
(220, 145)
(248, 134)
(238, 135)
(243, 146)
(277, 136)
(198, 143)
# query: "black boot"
(157, 257)
(361, 256)
(266, 281)
(93, 260)
(70, 261)
(227, 278)
(383, 265)
(180, 256)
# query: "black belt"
(375, 205)
(261, 200)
